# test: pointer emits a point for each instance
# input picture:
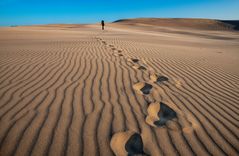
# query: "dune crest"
(201, 24)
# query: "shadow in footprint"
(127, 143)
(135, 60)
(142, 68)
(113, 48)
(119, 51)
(146, 89)
(159, 114)
(134, 145)
(121, 55)
(166, 113)
(162, 78)
(143, 88)
(158, 78)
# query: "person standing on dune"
(102, 24)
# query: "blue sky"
(28, 12)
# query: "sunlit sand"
(77, 90)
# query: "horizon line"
(15, 25)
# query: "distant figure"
(102, 24)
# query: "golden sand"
(69, 90)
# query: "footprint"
(142, 68)
(135, 60)
(127, 143)
(120, 55)
(111, 45)
(152, 111)
(157, 78)
(113, 48)
(104, 42)
(119, 51)
(139, 67)
(143, 88)
(159, 114)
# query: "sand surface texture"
(67, 90)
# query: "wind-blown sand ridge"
(69, 90)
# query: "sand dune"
(72, 90)
(191, 23)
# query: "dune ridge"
(68, 92)
(191, 23)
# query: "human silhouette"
(102, 24)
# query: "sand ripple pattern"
(67, 95)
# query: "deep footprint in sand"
(143, 88)
(159, 114)
(158, 78)
(113, 48)
(142, 68)
(135, 60)
(127, 143)
(137, 66)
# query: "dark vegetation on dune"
(204, 24)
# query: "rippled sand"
(66, 90)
